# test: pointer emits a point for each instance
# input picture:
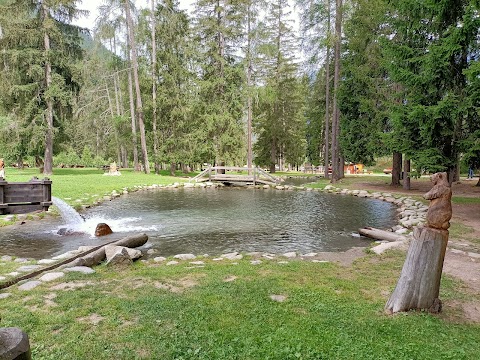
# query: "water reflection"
(215, 221)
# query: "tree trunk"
(396, 168)
(173, 167)
(419, 283)
(154, 93)
(48, 158)
(249, 86)
(327, 98)
(139, 104)
(136, 166)
(273, 157)
(406, 174)
(336, 173)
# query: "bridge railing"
(254, 174)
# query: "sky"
(91, 6)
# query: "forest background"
(231, 82)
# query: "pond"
(215, 221)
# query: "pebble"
(197, 262)
(46, 261)
(51, 276)
(159, 259)
(5, 295)
(184, 257)
(256, 262)
(312, 254)
(6, 258)
(291, 254)
(13, 273)
(28, 268)
(29, 285)
(172, 262)
(80, 269)
(21, 260)
(217, 259)
(2, 278)
(278, 298)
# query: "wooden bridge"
(24, 197)
(242, 175)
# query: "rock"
(173, 262)
(28, 268)
(474, 255)
(111, 250)
(197, 262)
(46, 261)
(6, 258)
(63, 256)
(29, 285)
(266, 187)
(5, 295)
(382, 247)
(291, 254)
(102, 229)
(232, 256)
(159, 259)
(329, 187)
(14, 344)
(51, 276)
(20, 260)
(256, 262)
(312, 254)
(320, 261)
(85, 248)
(279, 187)
(185, 257)
(2, 278)
(80, 269)
(278, 298)
(401, 231)
(13, 273)
(217, 259)
(119, 258)
(151, 251)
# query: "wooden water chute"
(25, 197)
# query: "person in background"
(2, 169)
(470, 173)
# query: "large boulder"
(111, 250)
(14, 344)
(103, 229)
(119, 258)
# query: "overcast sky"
(91, 6)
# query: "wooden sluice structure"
(25, 197)
(224, 174)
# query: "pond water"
(214, 221)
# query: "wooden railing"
(24, 197)
(219, 173)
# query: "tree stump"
(419, 283)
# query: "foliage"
(431, 48)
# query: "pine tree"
(40, 50)
(220, 105)
(280, 122)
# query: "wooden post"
(3, 207)
(254, 175)
(419, 283)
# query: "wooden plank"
(22, 209)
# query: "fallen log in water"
(381, 234)
(131, 241)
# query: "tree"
(364, 94)
(431, 48)
(220, 103)
(280, 122)
(40, 50)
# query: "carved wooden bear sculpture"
(440, 208)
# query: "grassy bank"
(89, 185)
(224, 311)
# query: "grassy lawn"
(89, 184)
(224, 311)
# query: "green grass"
(465, 200)
(331, 312)
(89, 185)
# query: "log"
(381, 234)
(419, 284)
(98, 256)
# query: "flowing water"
(213, 221)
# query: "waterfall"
(71, 217)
